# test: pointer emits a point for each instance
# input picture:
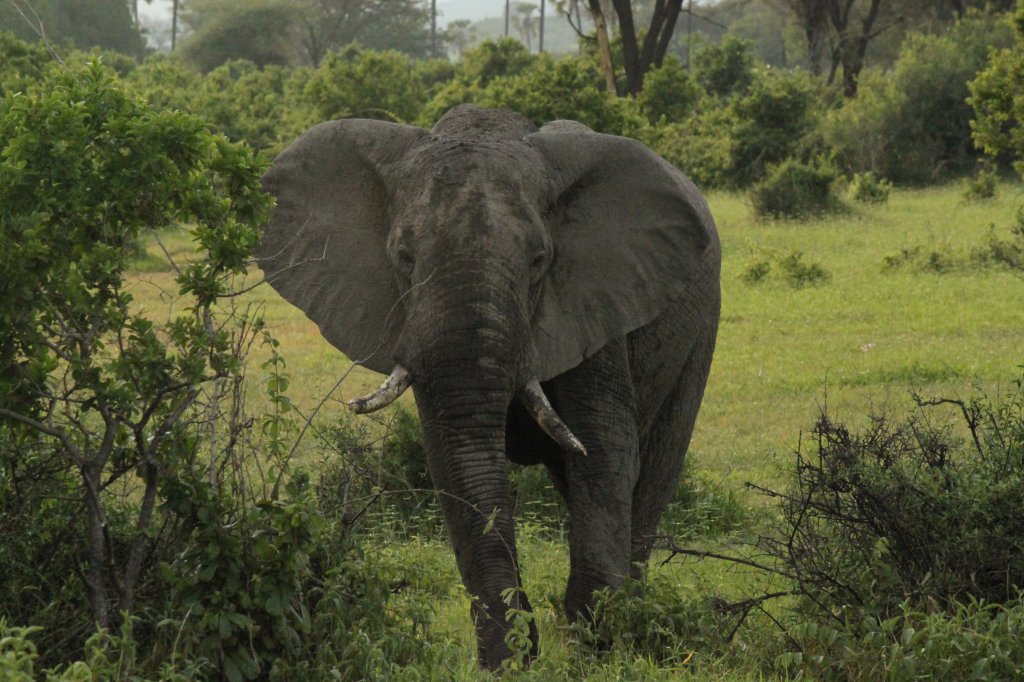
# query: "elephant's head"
(474, 261)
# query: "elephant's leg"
(596, 401)
(663, 446)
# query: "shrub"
(911, 124)
(773, 119)
(566, 88)
(998, 125)
(907, 510)
(652, 619)
(725, 69)
(700, 146)
(362, 83)
(791, 267)
(795, 190)
(868, 188)
(981, 187)
(670, 93)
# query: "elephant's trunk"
(465, 360)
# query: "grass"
(863, 339)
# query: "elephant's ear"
(631, 234)
(324, 249)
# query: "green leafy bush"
(998, 125)
(981, 187)
(653, 619)
(670, 93)
(726, 68)
(868, 188)
(911, 124)
(795, 190)
(358, 83)
(701, 146)
(773, 119)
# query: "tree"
(79, 23)
(998, 125)
(524, 22)
(324, 25)
(259, 31)
(99, 403)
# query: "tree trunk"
(604, 47)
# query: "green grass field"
(861, 341)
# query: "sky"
(449, 10)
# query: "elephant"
(550, 294)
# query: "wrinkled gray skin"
(485, 253)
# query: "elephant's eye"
(538, 265)
(405, 259)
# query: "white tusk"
(540, 409)
(395, 385)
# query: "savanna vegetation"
(183, 496)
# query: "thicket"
(154, 522)
(728, 122)
(905, 545)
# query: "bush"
(905, 545)
(998, 126)
(652, 619)
(566, 88)
(772, 121)
(670, 93)
(725, 69)
(700, 146)
(908, 510)
(981, 187)
(795, 190)
(791, 267)
(911, 125)
(973, 640)
(358, 83)
(868, 188)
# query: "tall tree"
(843, 29)
(381, 24)
(79, 23)
(642, 50)
(640, 57)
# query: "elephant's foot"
(505, 632)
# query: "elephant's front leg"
(597, 402)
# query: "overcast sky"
(449, 10)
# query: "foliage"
(906, 512)
(652, 619)
(256, 31)
(362, 83)
(790, 267)
(98, 399)
(773, 117)
(868, 188)
(972, 640)
(700, 146)
(998, 125)
(82, 24)
(981, 187)
(22, 63)
(565, 88)
(793, 189)
(911, 125)
(725, 69)
(670, 94)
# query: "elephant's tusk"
(537, 404)
(395, 385)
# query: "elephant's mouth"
(532, 396)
